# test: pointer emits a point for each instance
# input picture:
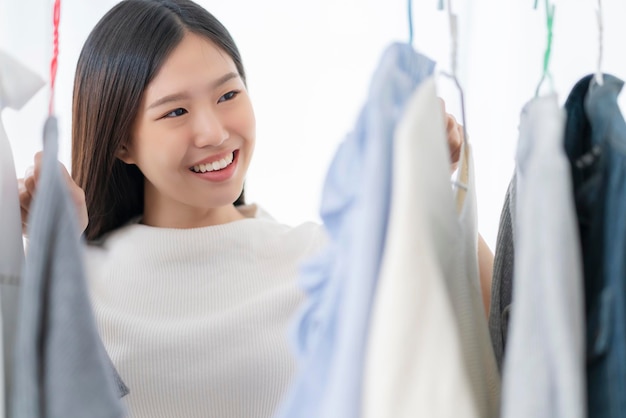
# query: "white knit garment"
(196, 320)
(429, 353)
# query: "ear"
(124, 154)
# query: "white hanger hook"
(599, 78)
(452, 18)
(454, 38)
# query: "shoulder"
(257, 246)
(305, 238)
(257, 233)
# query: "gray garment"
(61, 369)
(502, 280)
(18, 85)
(11, 262)
(9, 297)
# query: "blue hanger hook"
(410, 14)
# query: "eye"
(228, 96)
(175, 113)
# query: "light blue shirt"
(331, 329)
(543, 373)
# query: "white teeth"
(215, 165)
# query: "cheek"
(242, 119)
(251, 132)
(248, 124)
(156, 154)
(157, 151)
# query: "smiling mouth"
(215, 165)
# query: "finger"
(455, 143)
(452, 128)
(24, 214)
(24, 198)
(66, 174)
(451, 123)
(24, 210)
(25, 187)
(29, 182)
(78, 195)
(68, 179)
(37, 167)
(455, 154)
(461, 133)
(25, 201)
(21, 188)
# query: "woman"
(192, 289)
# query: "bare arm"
(485, 267)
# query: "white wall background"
(309, 64)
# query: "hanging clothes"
(429, 352)
(331, 329)
(595, 142)
(17, 86)
(61, 369)
(543, 373)
(502, 277)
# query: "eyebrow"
(183, 95)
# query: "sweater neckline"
(249, 211)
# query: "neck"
(174, 214)
(193, 218)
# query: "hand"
(454, 131)
(28, 185)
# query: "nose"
(210, 129)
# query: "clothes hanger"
(454, 47)
(590, 157)
(452, 19)
(545, 74)
(56, 15)
(599, 79)
(410, 16)
(453, 22)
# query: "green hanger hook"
(545, 74)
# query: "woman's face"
(193, 137)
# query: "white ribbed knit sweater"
(196, 320)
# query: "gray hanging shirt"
(61, 369)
